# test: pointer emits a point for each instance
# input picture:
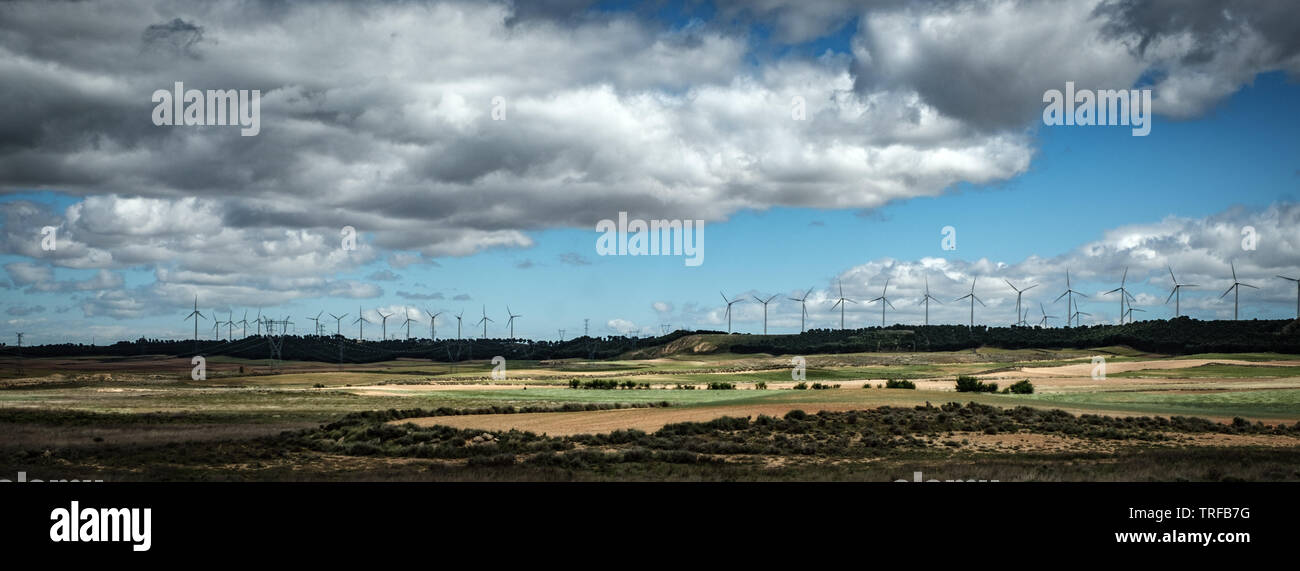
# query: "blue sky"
(1081, 183)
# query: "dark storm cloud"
(177, 36)
(1210, 23)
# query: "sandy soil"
(1085, 369)
(602, 421)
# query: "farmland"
(143, 417)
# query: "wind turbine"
(1076, 316)
(803, 307)
(973, 299)
(841, 303)
(407, 323)
(259, 322)
(1297, 294)
(361, 322)
(1123, 293)
(230, 325)
(1019, 292)
(484, 321)
(196, 315)
(927, 300)
(316, 321)
(1069, 304)
(769, 300)
(244, 322)
(1131, 309)
(216, 327)
(1176, 293)
(384, 322)
(1024, 318)
(511, 321)
(1043, 323)
(884, 302)
(458, 316)
(730, 302)
(433, 324)
(1236, 286)
(338, 321)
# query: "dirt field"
(645, 419)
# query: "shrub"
(682, 387)
(801, 386)
(796, 414)
(899, 384)
(722, 386)
(821, 387)
(760, 386)
(967, 384)
(1023, 388)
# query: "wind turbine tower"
(729, 302)
(195, 315)
(884, 301)
(973, 299)
(764, 302)
(1069, 304)
(1297, 294)
(511, 321)
(1123, 293)
(1019, 292)
(1177, 291)
(841, 304)
(803, 308)
(927, 299)
(1235, 287)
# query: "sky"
(474, 147)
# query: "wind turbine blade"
(1234, 271)
(891, 306)
(1030, 287)
(1228, 291)
(1058, 298)
(1171, 294)
(1250, 286)
(1012, 286)
(1171, 274)
(1111, 291)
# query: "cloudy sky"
(914, 117)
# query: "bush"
(760, 386)
(900, 384)
(722, 386)
(682, 387)
(801, 386)
(821, 387)
(1023, 388)
(967, 384)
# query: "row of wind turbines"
(1073, 313)
(320, 326)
